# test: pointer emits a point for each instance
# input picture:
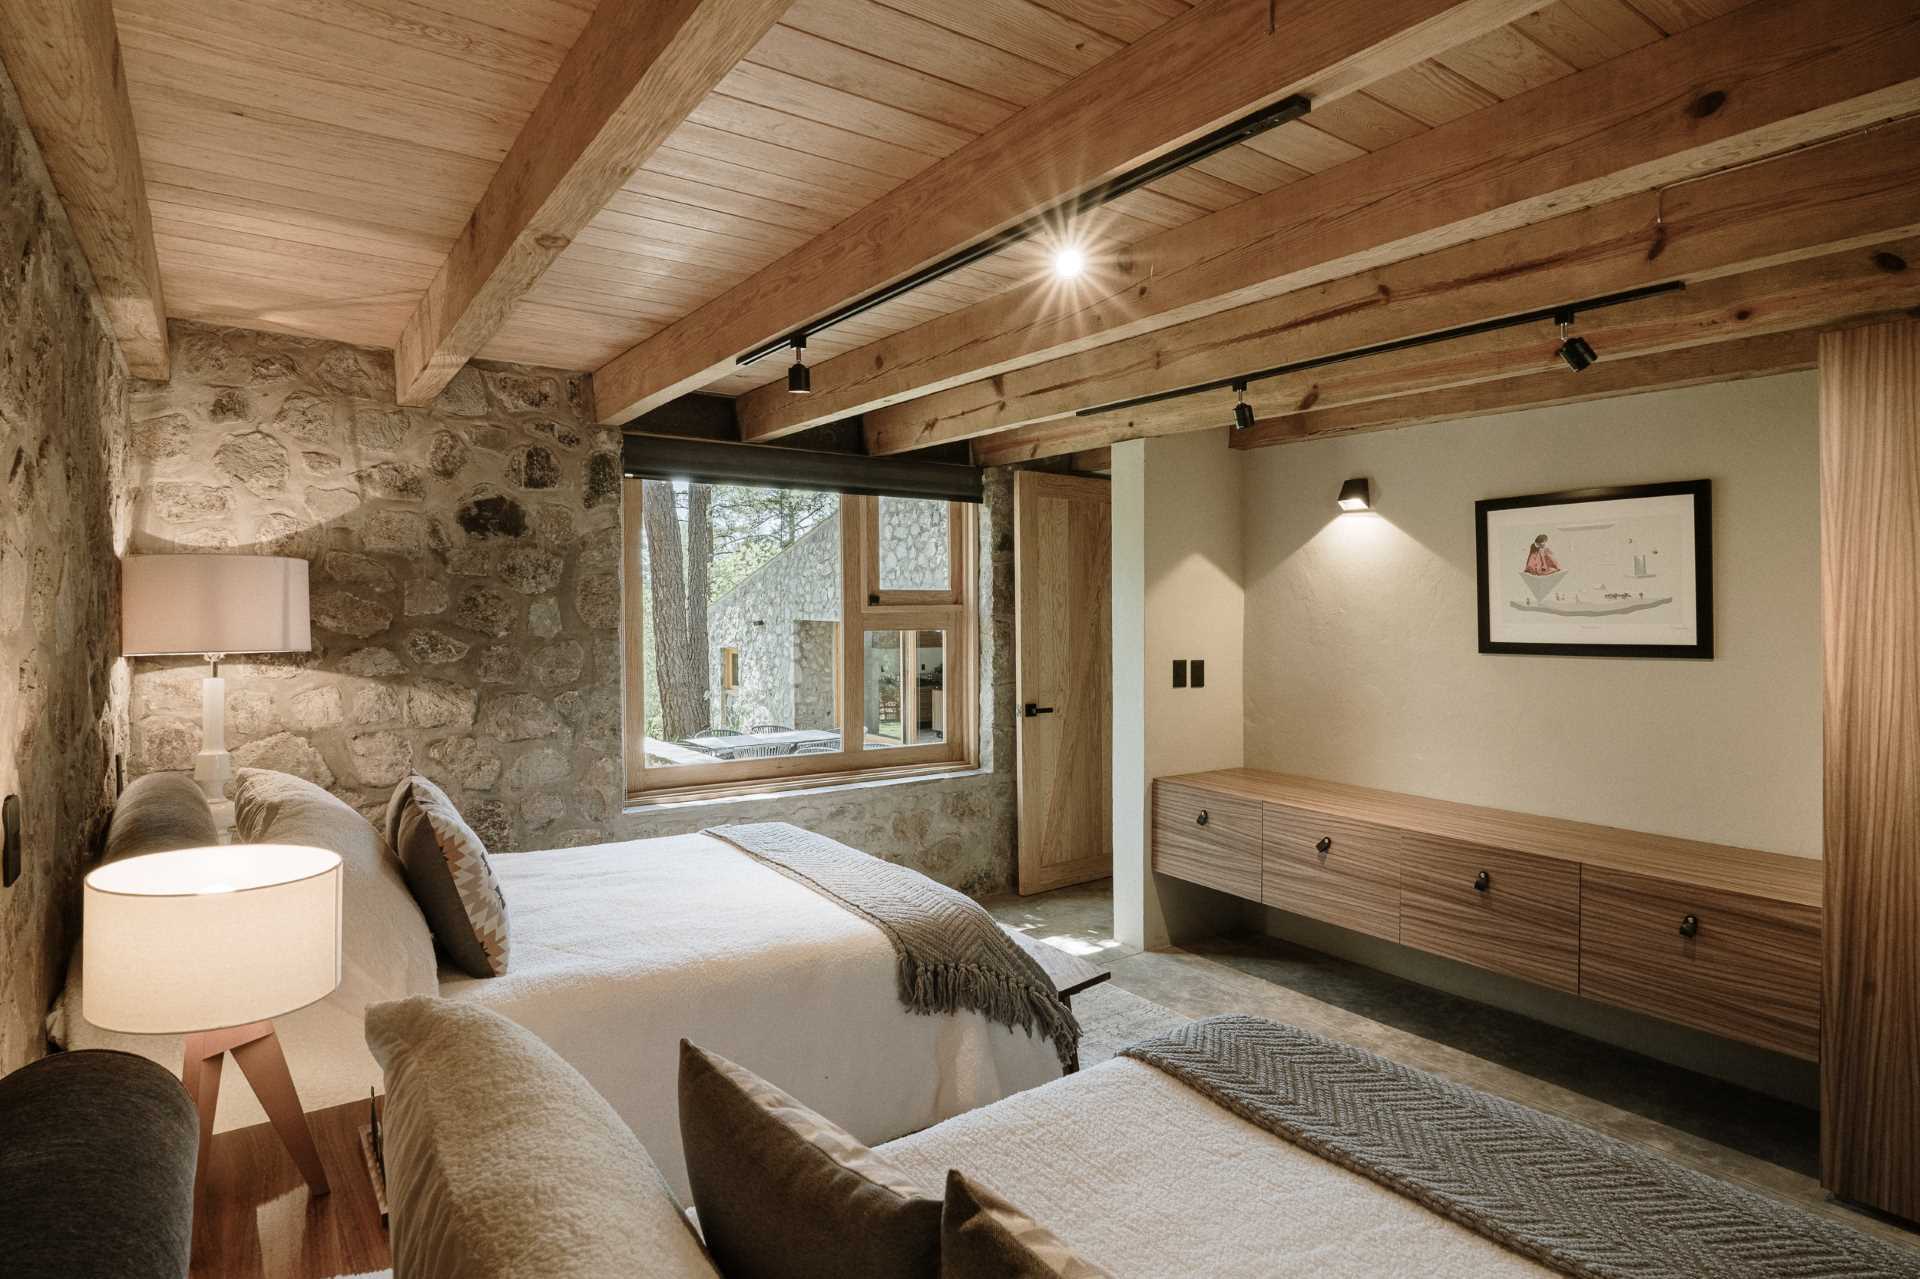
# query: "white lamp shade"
(213, 604)
(207, 938)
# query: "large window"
(779, 635)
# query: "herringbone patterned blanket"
(1567, 1196)
(951, 956)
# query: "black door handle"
(1323, 845)
(1689, 925)
(1482, 882)
(1034, 708)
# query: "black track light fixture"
(799, 377)
(1242, 411)
(1576, 351)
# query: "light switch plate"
(1198, 667)
(9, 840)
(1179, 672)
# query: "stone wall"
(465, 576)
(467, 603)
(758, 618)
(63, 695)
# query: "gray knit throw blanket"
(951, 956)
(1564, 1195)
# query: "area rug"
(1567, 1196)
(1111, 1019)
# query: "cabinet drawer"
(1750, 971)
(1523, 919)
(1207, 838)
(1354, 882)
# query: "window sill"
(819, 784)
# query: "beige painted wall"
(1360, 629)
(1177, 568)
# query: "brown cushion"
(446, 868)
(982, 1236)
(784, 1194)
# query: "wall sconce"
(1355, 495)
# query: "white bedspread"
(1146, 1177)
(621, 950)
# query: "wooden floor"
(257, 1220)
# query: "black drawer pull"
(1690, 925)
(1482, 882)
(1324, 844)
(1201, 820)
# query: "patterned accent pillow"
(982, 1236)
(783, 1193)
(445, 865)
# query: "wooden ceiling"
(309, 162)
(319, 166)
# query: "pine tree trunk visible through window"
(679, 572)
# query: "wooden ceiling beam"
(1392, 388)
(633, 75)
(1761, 356)
(1204, 69)
(64, 61)
(1854, 191)
(1778, 74)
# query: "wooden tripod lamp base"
(256, 1050)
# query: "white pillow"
(502, 1161)
(386, 949)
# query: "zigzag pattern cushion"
(446, 867)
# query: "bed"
(619, 951)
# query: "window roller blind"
(674, 457)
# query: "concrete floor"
(1768, 1145)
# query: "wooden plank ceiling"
(309, 162)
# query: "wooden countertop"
(1775, 876)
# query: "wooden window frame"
(954, 611)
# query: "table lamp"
(213, 943)
(211, 606)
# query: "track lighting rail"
(1248, 126)
(1561, 315)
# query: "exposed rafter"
(1857, 190)
(1777, 74)
(1203, 69)
(64, 61)
(633, 75)
(1792, 296)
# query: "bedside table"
(256, 1218)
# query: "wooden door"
(1064, 685)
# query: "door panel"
(1062, 638)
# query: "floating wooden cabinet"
(1723, 939)
(1332, 867)
(1514, 913)
(1207, 838)
(1739, 966)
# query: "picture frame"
(1617, 571)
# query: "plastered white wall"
(1361, 640)
(1177, 568)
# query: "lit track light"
(1069, 262)
(799, 377)
(1242, 411)
(1577, 352)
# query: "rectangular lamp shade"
(206, 938)
(197, 604)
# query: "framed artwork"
(1599, 572)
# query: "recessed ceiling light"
(1069, 261)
